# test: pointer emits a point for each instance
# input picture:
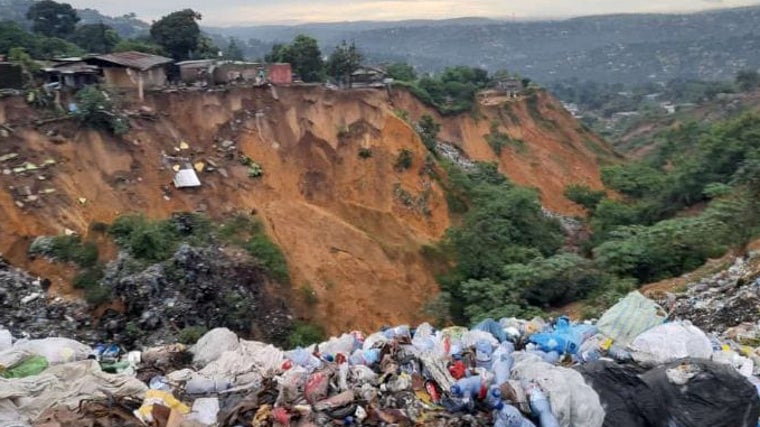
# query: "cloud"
(229, 12)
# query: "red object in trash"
(458, 370)
(340, 358)
(281, 416)
(286, 365)
(432, 390)
(317, 387)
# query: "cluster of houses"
(142, 71)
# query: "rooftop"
(137, 60)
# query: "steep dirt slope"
(351, 226)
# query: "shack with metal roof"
(132, 70)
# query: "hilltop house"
(510, 87)
(132, 70)
(368, 77)
(73, 75)
(216, 72)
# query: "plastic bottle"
(509, 416)
(483, 354)
(304, 358)
(365, 357)
(541, 408)
(472, 387)
(502, 368)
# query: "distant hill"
(612, 48)
(126, 25)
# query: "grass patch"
(269, 255)
(309, 295)
(305, 334)
(498, 141)
(404, 160)
(191, 334)
(365, 153)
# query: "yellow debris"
(183, 145)
(82, 200)
(199, 166)
(175, 168)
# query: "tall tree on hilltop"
(233, 51)
(344, 60)
(303, 55)
(96, 38)
(178, 32)
(52, 19)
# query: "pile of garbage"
(633, 367)
(720, 301)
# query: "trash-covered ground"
(204, 286)
(633, 367)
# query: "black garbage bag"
(626, 398)
(700, 393)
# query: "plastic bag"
(630, 317)
(56, 350)
(29, 367)
(573, 402)
(6, 339)
(213, 344)
(668, 342)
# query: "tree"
(401, 71)
(128, 45)
(344, 60)
(96, 38)
(748, 80)
(52, 19)
(584, 196)
(20, 57)
(233, 51)
(205, 49)
(178, 33)
(12, 35)
(303, 55)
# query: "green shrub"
(428, 130)
(97, 295)
(95, 109)
(255, 170)
(365, 153)
(309, 295)
(404, 160)
(584, 196)
(269, 255)
(66, 249)
(88, 278)
(145, 239)
(191, 334)
(306, 334)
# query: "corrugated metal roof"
(196, 62)
(76, 68)
(137, 60)
(185, 178)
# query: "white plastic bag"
(668, 342)
(572, 401)
(56, 350)
(630, 317)
(213, 344)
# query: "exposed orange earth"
(339, 218)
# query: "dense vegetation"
(694, 199)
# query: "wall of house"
(128, 78)
(225, 73)
(280, 74)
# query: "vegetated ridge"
(331, 194)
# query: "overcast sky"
(233, 12)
